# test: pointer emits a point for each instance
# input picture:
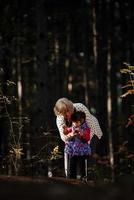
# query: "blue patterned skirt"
(76, 148)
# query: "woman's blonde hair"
(62, 106)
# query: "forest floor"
(31, 188)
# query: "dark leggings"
(77, 164)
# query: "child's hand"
(71, 135)
(77, 130)
(80, 134)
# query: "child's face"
(77, 123)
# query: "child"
(77, 146)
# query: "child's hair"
(78, 116)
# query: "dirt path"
(29, 188)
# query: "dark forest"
(82, 50)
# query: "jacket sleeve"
(60, 122)
(86, 135)
(97, 128)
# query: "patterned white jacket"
(90, 119)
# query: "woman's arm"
(60, 122)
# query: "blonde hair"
(62, 106)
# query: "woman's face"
(67, 115)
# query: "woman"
(63, 109)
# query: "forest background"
(62, 48)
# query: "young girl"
(77, 146)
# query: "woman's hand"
(66, 130)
